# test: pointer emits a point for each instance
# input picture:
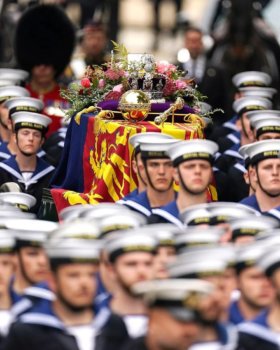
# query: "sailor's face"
(4, 115)
(213, 306)
(196, 175)
(255, 287)
(269, 136)
(29, 141)
(33, 263)
(267, 174)
(246, 127)
(160, 172)
(76, 284)
(164, 256)
(133, 267)
(6, 271)
(168, 333)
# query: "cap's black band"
(244, 232)
(252, 83)
(266, 129)
(20, 243)
(154, 155)
(23, 109)
(219, 219)
(192, 156)
(199, 221)
(250, 109)
(115, 227)
(184, 245)
(129, 249)
(242, 265)
(7, 250)
(166, 243)
(29, 125)
(200, 274)
(264, 155)
(54, 262)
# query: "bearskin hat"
(44, 35)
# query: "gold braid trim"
(85, 110)
(194, 119)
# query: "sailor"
(7, 92)
(18, 104)
(247, 79)
(174, 316)
(137, 163)
(29, 171)
(262, 332)
(159, 174)
(256, 292)
(130, 260)
(209, 264)
(245, 229)
(241, 106)
(32, 266)
(266, 125)
(12, 77)
(7, 246)
(68, 320)
(265, 171)
(193, 161)
(197, 237)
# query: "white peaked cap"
(154, 145)
(183, 149)
(31, 225)
(263, 123)
(73, 248)
(73, 212)
(27, 117)
(261, 147)
(7, 241)
(251, 103)
(254, 91)
(7, 92)
(263, 114)
(18, 198)
(103, 210)
(24, 102)
(251, 78)
(13, 74)
(145, 136)
(121, 221)
(79, 229)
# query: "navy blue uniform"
(10, 172)
(256, 335)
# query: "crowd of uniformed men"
(161, 269)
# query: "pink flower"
(114, 74)
(180, 84)
(112, 95)
(169, 88)
(164, 67)
(101, 83)
(85, 82)
(118, 88)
